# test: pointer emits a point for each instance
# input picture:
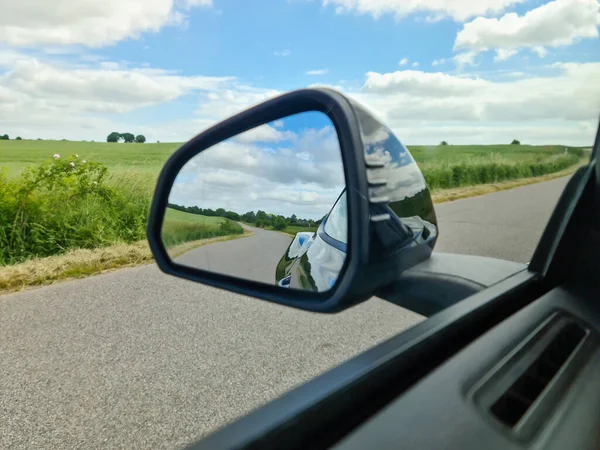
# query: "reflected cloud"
(290, 166)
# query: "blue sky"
(455, 70)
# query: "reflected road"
(253, 257)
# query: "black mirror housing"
(372, 216)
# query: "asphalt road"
(505, 225)
(254, 257)
(136, 359)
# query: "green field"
(110, 204)
(118, 157)
(172, 215)
(180, 227)
(293, 229)
(146, 160)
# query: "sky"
(464, 71)
(290, 166)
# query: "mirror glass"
(400, 191)
(266, 205)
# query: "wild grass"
(494, 168)
(56, 207)
(293, 229)
(119, 158)
(180, 227)
(447, 195)
(80, 263)
(66, 204)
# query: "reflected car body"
(314, 260)
(403, 221)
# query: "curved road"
(254, 257)
(137, 359)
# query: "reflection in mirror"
(398, 190)
(257, 206)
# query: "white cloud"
(558, 23)
(87, 22)
(265, 133)
(284, 53)
(422, 84)
(300, 176)
(464, 59)
(414, 103)
(190, 3)
(415, 64)
(317, 72)
(457, 9)
(222, 103)
(503, 54)
(438, 62)
(403, 62)
(47, 98)
(49, 88)
(540, 51)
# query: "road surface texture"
(137, 359)
(505, 225)
(254, 257)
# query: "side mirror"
(306, 200)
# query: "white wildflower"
(84, 161)
(72, 164)
(95, 182)
(56, 156)
(76, 156)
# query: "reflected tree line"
(259, 218)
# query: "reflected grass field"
(180, 227)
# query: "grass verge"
(448, 195)
(291, 230)
(81, 263)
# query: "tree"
(443, 143)
(140, 139)
(113, 137)
(18, 138)
(293, 219)
(5, 137)
(279, 223)
(249, 217)
(128, 137)
(232, 215)
(515, 142)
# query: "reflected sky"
(289, 166)
(403, 177)
(403, 184)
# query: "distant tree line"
(259, 218)
(514, 142)
(125, 137)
